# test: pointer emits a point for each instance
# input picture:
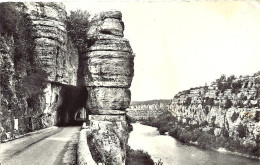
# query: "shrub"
(188, 101)
(164, 128)
(228, 104)
(206, 141)
(185, 136)
(137, 157)
(234, 144)
(241, 130)
(174, 132)
(221, 142)
(210, 102)
(236, 86)
(234, 116)
(195, 135)
(225, 133)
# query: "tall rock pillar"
(108, 76)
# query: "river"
(172, 152)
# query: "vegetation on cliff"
(77, 27)
(187, 133)
(222, 115)
(226, 92)
(22, 76)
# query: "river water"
(172, 152)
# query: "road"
(47, 147)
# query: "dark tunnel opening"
(72, 109)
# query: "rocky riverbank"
(222, 115)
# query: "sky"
(179, 45)
(184, 44)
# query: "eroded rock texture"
(108, 75)
(109, 138)
(52, 45)
(54, 50)
(233, 107)
(25, 104)
(8, 94)
(148, 109)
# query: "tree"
(236, 86)
(241, 131)
(188, 101)
(77, 26)
(221, 83)
(223, 78)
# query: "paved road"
(43, 148)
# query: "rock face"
(30, 100)
(148, 109)
(8, 93)
(108, 98)
(108, 75)
(51, 41)
(53, 50)
(109, 136)
(54, 53)
(225, 105)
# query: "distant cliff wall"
(148, 109)
(229, 107)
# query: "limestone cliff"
(53, 49)
(229, 107)
(148, 109)
(43, 84)
(108, 76)
(8, 93)
(51, 41)
(37, 60)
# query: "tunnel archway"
(81, 115)
(72, 103)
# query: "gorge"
(58, 70)
(224, 114)
(61, 69)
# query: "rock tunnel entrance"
(72, 109)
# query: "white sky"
(179, 45)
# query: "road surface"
(46, 147)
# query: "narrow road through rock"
(44, 148)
